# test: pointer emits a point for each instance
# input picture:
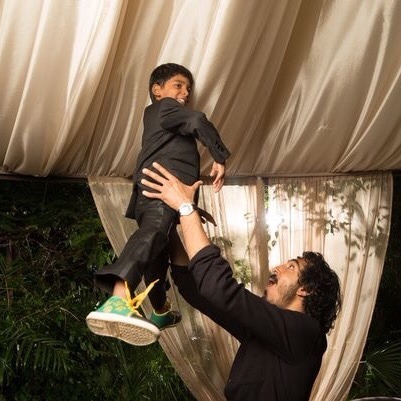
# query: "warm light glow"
(273, 220)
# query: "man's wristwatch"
(186, 209)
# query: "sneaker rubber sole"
(131, 329)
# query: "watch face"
(186, 209)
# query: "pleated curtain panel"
(305, 94)
(294, 87)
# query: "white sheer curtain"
(348, 220)
(200, 351)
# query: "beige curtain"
(295, 86)
(348, 220)
(200, 351)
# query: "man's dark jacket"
(280, 350)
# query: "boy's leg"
(157, 270)
(163, 315)
(118, 317)
(155, 220)
(178, 254)
(179, 271)
(141, 247)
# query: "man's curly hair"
(323, 301)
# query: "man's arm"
(174, 193)
(188, 289)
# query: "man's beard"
(289, 295)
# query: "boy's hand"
(218, 172)
(170, 189)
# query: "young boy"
(169, 137)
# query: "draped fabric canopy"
(295, 87)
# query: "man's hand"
(218, 172)
(169, 188)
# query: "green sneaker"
(164, 320)
(117, 318)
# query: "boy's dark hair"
(323, 286)
(164, 72)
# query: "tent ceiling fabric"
(295, 87)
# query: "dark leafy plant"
(379, 373)
(51, 241)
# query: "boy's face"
(176, 87)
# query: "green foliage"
(242, 271)
(379, 372)
(51, 242)
(387, 310)
(241, 267)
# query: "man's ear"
(302, 292)
(156, 88)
